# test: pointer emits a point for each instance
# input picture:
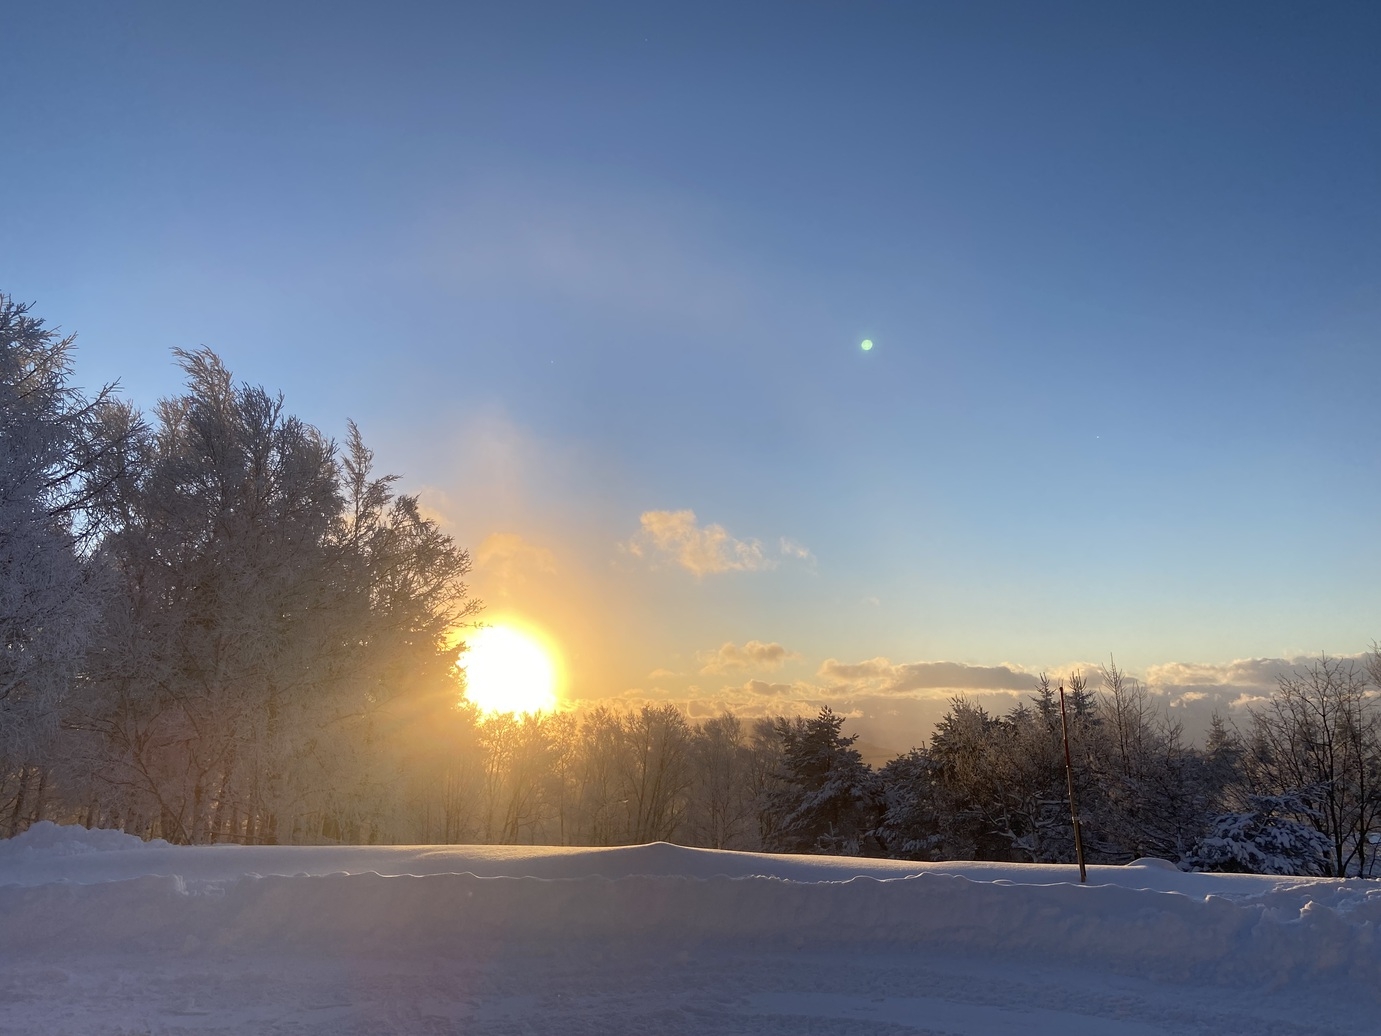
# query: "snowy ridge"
(1149, 918)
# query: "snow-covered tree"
(915, 822)
(829, 801)
(658, 772)
(515, 753)
(615, 778)
(722, 802)
(600, 812)
(1151, 795)
(1029, 760)
(284, 622)
(60, 454)
(995, 788)
(964, 751)
(1318, 739)
(1264, 839)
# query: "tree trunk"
(24, 776)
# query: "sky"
(593, 281)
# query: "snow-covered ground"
(102, 933)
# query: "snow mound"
(1153, 863)
(72, 840)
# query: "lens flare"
(867, 344)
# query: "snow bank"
(69, 840)
(1153, 921)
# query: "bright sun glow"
(507, 670)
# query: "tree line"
(217, 625)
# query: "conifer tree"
(830, 802)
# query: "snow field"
(1280, 938)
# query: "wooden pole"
(1073, 804)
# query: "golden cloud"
(504, 562)
(880, 676)
(753, 654)
(700, 550)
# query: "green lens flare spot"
(867, 344)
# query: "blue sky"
(579, 269)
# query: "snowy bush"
(1264, 840)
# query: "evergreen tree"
(1264, 839)
(915, 818)
(830, 800)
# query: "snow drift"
(68, 889)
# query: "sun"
(507, 670)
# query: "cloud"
(501, 549)
(754, 654)
(1259, 673)
(505, 562)
(661, 674)
(700, 550)
(762, 688)
(894, 706)
(881, 676)
(755, 698)
(792, 549)
(1244, 700)
(1236, 685)
(1197, 691)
